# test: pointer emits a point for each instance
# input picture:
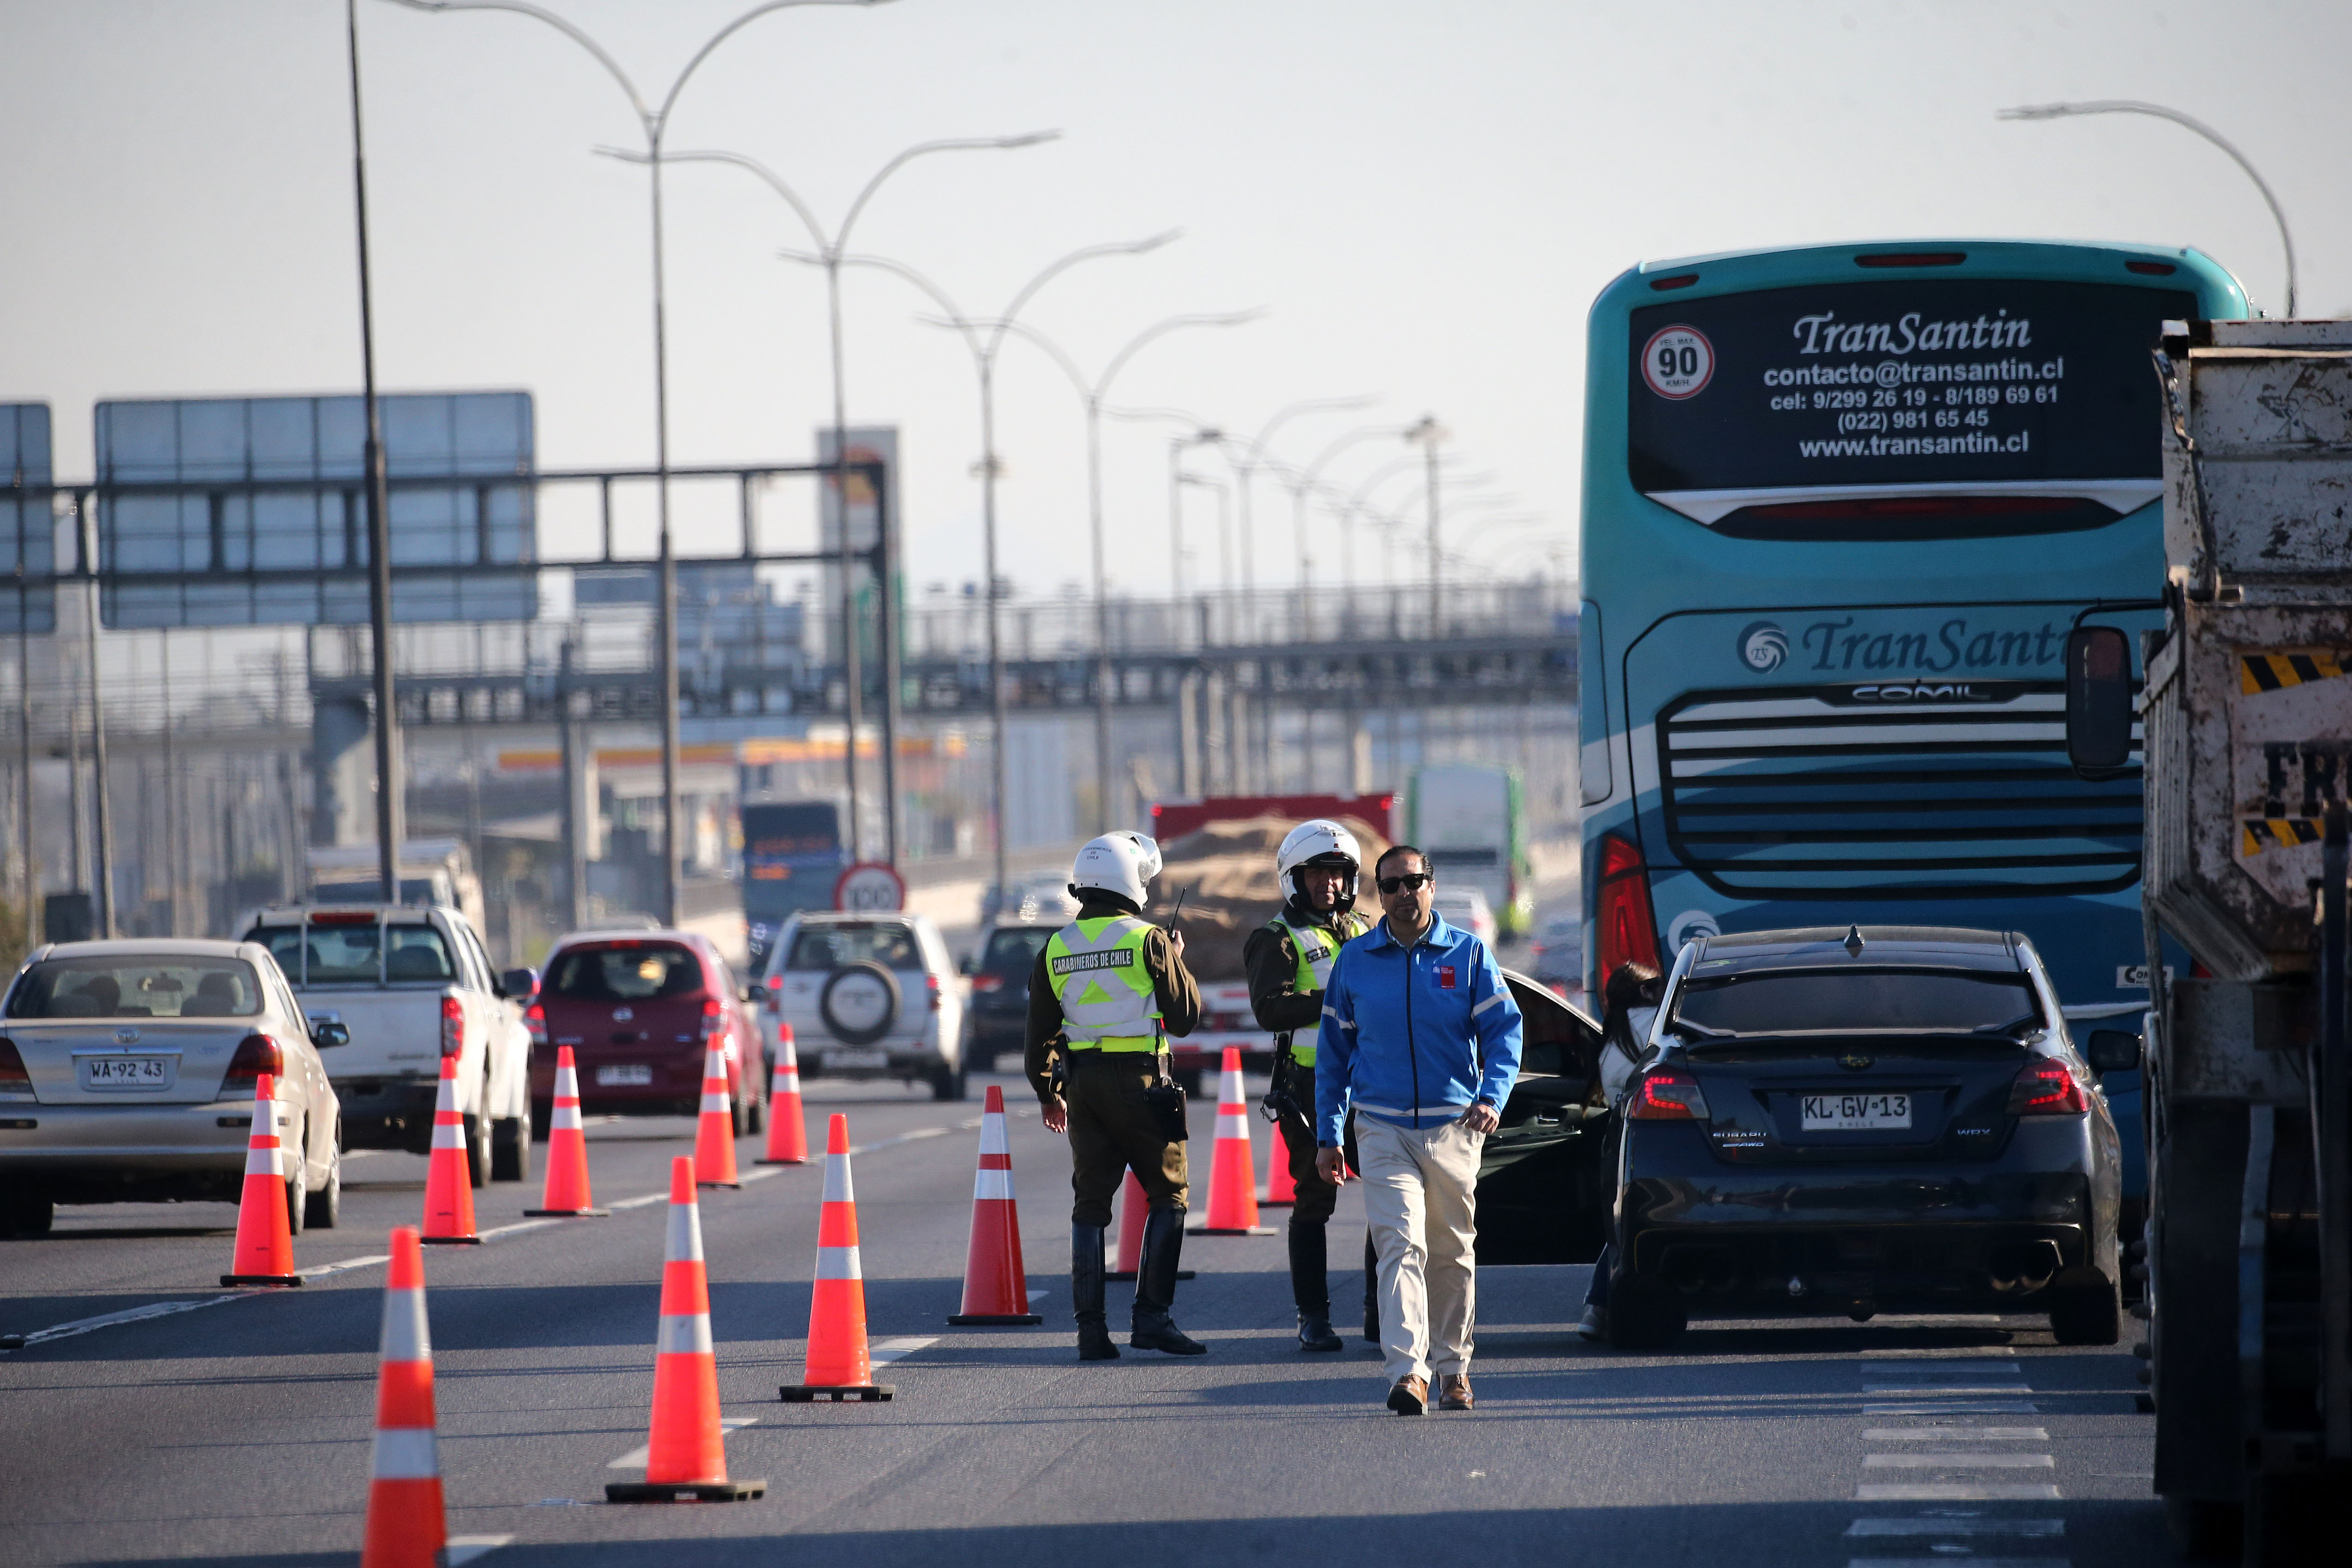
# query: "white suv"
(869, 995)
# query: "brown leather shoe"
(1410, 1396)
(1453, 1391)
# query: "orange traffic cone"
(995, 1286)
(838, 1365)
(686, 1458)
(406, 1524)
(264, 1243)
(787, 1133)
(1233, 1169)
(567, 1192)
(714, 1140)
(448, 1179)
(1134, 1209)
(1281, 1192)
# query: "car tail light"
(1667, 1094)
(12, 1075)
(255, 1054)
(534, 1018)
(453, 1025)
(714, 1018)
(932, 983)
(988, 982)
(2047, 1088)
(774, 996)
(1629, 931)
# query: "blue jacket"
(1413, 1038)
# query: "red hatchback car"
(638, 1009)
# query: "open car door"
(1543, 1193)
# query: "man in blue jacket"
(1421, 1039)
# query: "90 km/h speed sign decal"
(1677, 362)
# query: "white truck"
(413, 984)
(2247, 727)
(1470, 820)
(431, 871)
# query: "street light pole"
(2188, 122)
(654, 123)
(1204, 436)
(1428, 434)
(1091, 393)
(1253, 456)
(829, 252)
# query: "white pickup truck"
(412, 984)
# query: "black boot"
(1310, 1286)
(1087, 1294)
(1155, 1287)
(1371, 1291)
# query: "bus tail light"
(255, 1054)
(1667, 1094)
(453, 1027)
(1628, 928)
(2047, 1088)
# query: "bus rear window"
(2016, 387)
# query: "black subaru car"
(1864, 1119)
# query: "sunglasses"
(1410, 881)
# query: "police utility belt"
(1164, 1099)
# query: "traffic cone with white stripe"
(265, 1240)
(1281, 1191)
(406, 1524)
(787, 1132)
(1134, 1209)
(686, 1451)
(714, 1140)
(1233, 1169)
(566, 1195)
(448, 1178)
(839, 1367)
(995, 1286)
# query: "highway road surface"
(154, 1418)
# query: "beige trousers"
(1421, 1200)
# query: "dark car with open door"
(1861, 1119)
(1544, 1184)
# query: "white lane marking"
(902, 1138)
(885, 1352)
(1955, 1491)
(1956, 1521)
(969, 1126)
(634, 1459)
(517, 1228)
(1974, 1562)
(1938, 1390)
(1986, 1461)
(1936, 1354)
(1959, 1407)
(1954, 1368)
(762, 1175)
(462, 1549)
(640, 1201)
(129, 1315)
(1968, 1433)
(321, 1270)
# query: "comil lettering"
(1826, 334)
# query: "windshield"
(1844, 1002)
(822, 948)
(127, 986)
(1015, 952)
(629, 974)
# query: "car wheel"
(1645, 1312)
(324, 1210)
(511, 1147)
(950, 1082)
(755, 1114)
(2083, 1309)
(542, 1117)
(739, 1115)
(478, 1150)
(23, 1213)
(298, 1184)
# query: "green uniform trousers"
(1112, 1131)
(1315, 1198)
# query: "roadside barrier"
(566, 1194)
(448, 1178)
(1233, 1168)
(995, 1285)
(714, 1140)
(1281, 1192)
(839, 1366)
(1134, 1209)
(787, 1129)
(265, 1239)
(407, 1525)
(686, 1452)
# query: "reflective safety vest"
(1317, 950)
(1109, 1002)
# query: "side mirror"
(2113, 1051)
(328, 1033)
(2098, 698)
(520, 985)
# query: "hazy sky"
(1426, 198)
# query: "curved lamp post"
(654, 123)
(1251, 456)
(829, 250)
(2188, 122)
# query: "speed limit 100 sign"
(1677, 362)
(869, 887)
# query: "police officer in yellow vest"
(1114, 987)
(1289, 959)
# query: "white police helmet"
(1122, 862)
(1321, 842)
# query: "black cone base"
(565, 1213)
(450, 1240)
(684, 1491)
(261, 1278)
(864, 1392)
(1230, 1230)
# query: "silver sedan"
(128, 1071)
